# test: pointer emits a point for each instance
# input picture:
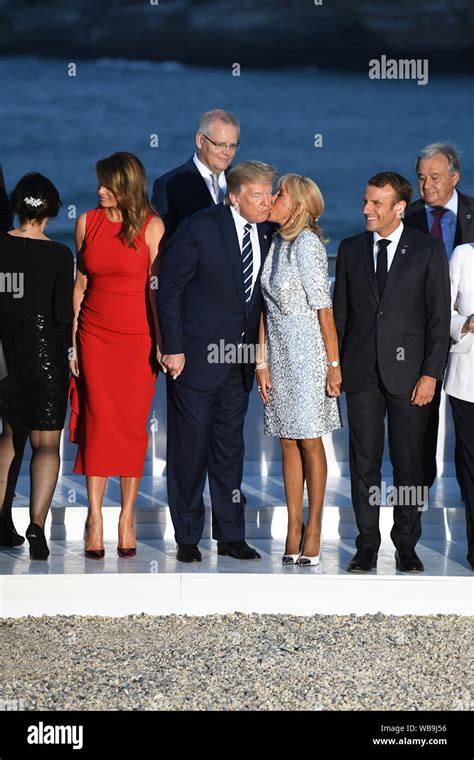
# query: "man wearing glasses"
(201, 181)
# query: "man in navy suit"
(446, 214)
(209, 305)
(6, 218)
(201, 181)
(392, 313)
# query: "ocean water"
(60, 125)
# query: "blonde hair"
(124, 175)
(247, 172)
(305, 193)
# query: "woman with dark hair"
(35, 332)
(115, 338)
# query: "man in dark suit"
(448, 215)
(6, 217)
(209, 305)
(392, 313)
(201, 181)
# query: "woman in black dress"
(36, 280)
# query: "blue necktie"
(247, 262)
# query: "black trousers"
(205, 437)
(463, 415)
(431, 444)
(366, 412)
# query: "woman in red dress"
(115, 335)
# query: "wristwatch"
(334, 364)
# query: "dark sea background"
(60, 125)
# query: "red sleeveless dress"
(111, 398)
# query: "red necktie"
(436, 230)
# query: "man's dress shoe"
(407, 561)
(363, 561)
(188, 553)
(237, 550)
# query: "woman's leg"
(126, 529)
(12, 447)
(315, 468)
(96, 485)
(293, 479)
(44, 471)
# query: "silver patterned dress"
(295, 285)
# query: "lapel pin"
(403, 250)
(468, 216)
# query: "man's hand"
(423, 391)
(173, 363)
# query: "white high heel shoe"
(305, 561)
(292, 559)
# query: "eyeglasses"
(220, 145)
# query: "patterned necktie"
(247, 262)
(218, 194)
(381, 273)
(436, 230)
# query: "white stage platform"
(154, 582)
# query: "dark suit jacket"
(6, 216)
(416, 218)
(406, 330)
(201, 295)
(179, 193)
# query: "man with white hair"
(201, 181)
(448, 215)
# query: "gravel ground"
(237, 662)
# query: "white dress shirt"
(240, 223)
(394, 238)
(459, 381)
(206, 174)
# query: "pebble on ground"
(237, 662)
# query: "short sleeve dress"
(295, 285)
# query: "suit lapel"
(401, 255)
(464, 221)
(232, 247)
(368, 255)
(418, 219)
(206, 193)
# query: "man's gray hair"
(217, 114)
(446, 149)
(246, 172)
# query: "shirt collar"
(451, 205)
(240, 221)
(394, 237)
(203, 169)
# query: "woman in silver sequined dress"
(298, 374)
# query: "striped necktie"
(247, 262)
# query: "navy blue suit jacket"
(406, 329)
(201, 295)
(179, 193)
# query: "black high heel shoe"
(8, 535)
(37, 540)
(292, 559)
